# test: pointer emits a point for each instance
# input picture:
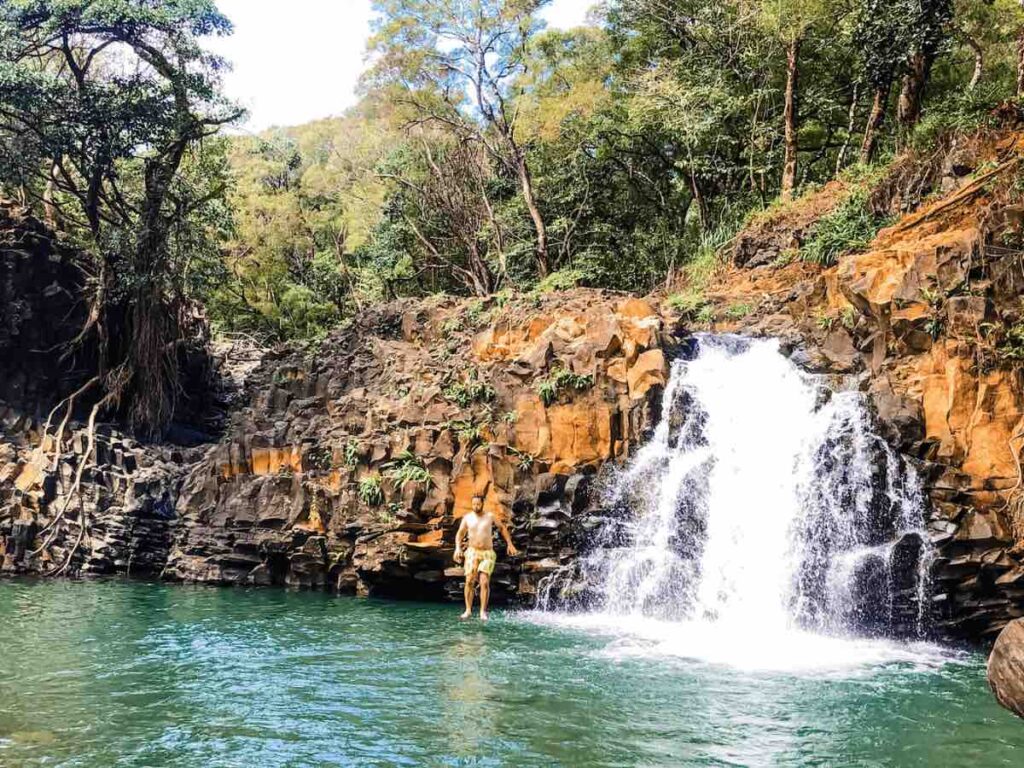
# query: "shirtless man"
(480, 556)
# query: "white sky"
(299, 60)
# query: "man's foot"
(466, 615)
(484, 615)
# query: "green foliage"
(563, 378)
(688, 302)
(467, 432)
(473, 390)
(320, 458)
(371, 492)
(388, 515)
(548, 388)
(105, 108)
(523, 460)
(849, 228)
(562, 280)
(848, 317)
(738, 311)
(408, 468)
(351, 453)
(705, 315)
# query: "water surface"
(101, 674)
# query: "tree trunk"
(979, 63)
(851, 123)
(790, 117)
(912, 92)
(1020, 59)
(526, 184)
(875, 119)
(702, 204)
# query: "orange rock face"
(509, 401)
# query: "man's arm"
(503, 530)
(458, 541)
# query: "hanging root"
(75, 491)
(1014, 498)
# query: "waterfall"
(763, 501)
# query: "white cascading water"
(763, 524)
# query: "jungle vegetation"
(487, 152)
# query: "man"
(480, 557)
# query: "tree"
(881, 36)
(790, 20)
(456, 64)
(928, 32)
(102, 105)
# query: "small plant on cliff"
(849, 318)
(825, 321)
(351, 453)
(738, 311)
(408, 468)
(549, 387)
(370, 491)
(466, 431)
(523, 460)
(320, 458)
(510, 417)
(687, 303)
(547, 390)
(1012, 346)
(464, 393)
(566, 379)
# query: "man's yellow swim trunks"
(480, 561)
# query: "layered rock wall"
(353, 463)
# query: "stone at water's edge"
(1006, 668)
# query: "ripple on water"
(100, 674)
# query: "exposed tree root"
(54, 526)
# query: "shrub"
(738, 311)
(549, 387)
(688, 302)
(849, 228)
(562, 280)
(408, 468)
(472, 391)
(370, 491)
(523, 460)
(351, 453)
(466, 431)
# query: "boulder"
(649, 370)
(1006, 667)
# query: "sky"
(295, 66)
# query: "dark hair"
(477, 496)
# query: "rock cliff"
(346, 464)
(352, 462)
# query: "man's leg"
(485, 594)
(468, 591)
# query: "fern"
(408, 468)
(370, 491)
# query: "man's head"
(478, 504)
